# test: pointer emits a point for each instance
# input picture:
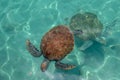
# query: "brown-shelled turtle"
(87, 27)
(54, 46)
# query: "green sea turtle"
(87, 27)
(55, 45)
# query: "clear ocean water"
(23, 19)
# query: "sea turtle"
(87, 27)
(55, 45)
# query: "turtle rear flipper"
(45, 65)
(32, 49)
(64, 66)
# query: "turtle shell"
(88, 24)
(57, 43)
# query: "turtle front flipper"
(32, 49)
(86, 44)
(63, 66)
(45, 65)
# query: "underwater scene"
(90, 34)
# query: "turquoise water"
(22, 19)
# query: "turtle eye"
(77, 31)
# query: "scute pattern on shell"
(88, 23)
(57, 43)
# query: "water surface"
(23, 19)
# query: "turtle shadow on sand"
(87, 29)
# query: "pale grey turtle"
(87, 27)
(54, 46)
